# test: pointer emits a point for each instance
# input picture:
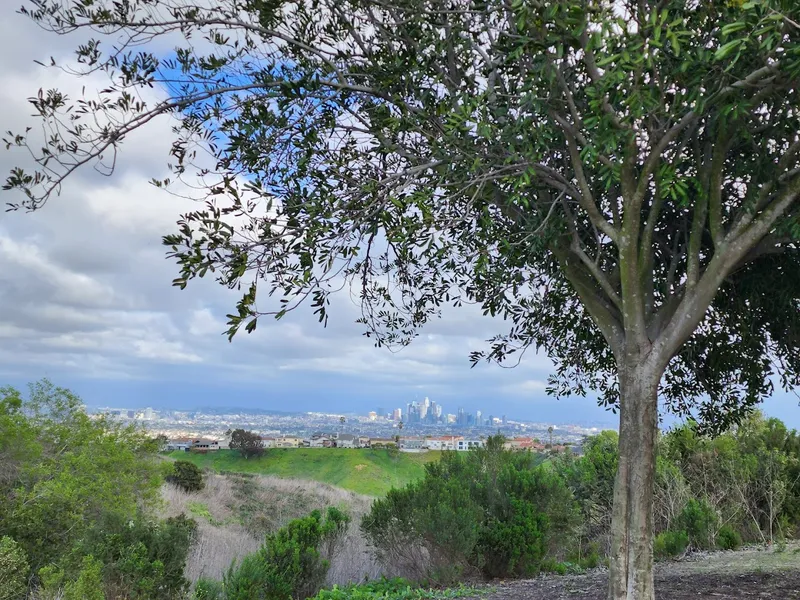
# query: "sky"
(86, 300)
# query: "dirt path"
(748, 574)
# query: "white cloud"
(527, 387)
(85, 286)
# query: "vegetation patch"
(396, 589)
(371, 472)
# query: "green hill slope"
(369, 472)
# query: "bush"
(208, 589)
(588, 556)
(698, 519)
(186, 476)
(89, 584)
(490, 510)
(670, 544)
(728, 538)
(144, 559)
(290, 563)
(13, 570)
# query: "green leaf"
(727, 49)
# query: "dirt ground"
(747, 574)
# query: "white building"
(464, 445)
(447, 442)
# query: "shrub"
(490, 510)
(51, 578)
(13, 569)
(553, 566)
(186, 476)
(89, 584)
(208, 589)
(728, 538)
(144, 559)
(670, 544)
(586, 557)
(698, 519)
(290, 563)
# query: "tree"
(247, 443)
(68, 470)
(187, 476)
(617, 179)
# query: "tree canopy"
(247, 443)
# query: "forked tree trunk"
(631, 558)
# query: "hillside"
(368, 472)
(235, 512)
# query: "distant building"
(447, 442)
(411, 443)
(346, 440)
(180, 444)
(319, 440)
(267, 442)
(373, 416)
(523, 443)
(397, 415)
(465, 445)
(204, 445)
(289, 441)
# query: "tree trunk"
(631, 557)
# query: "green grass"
(369, 472)
(396, 589)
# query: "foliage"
(247, 443)
(743, 475)
(591, 479)
(13, 570)
(290, 563)
(144, 558)
(394, 589)
(208, 589)
(187, 476)
(699, 521)
(89, 583)
(67, 470)
(76, 493)
(728, 538)
(670, 544)
(489, 510)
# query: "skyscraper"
(424, 407)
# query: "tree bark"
(631, 556)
